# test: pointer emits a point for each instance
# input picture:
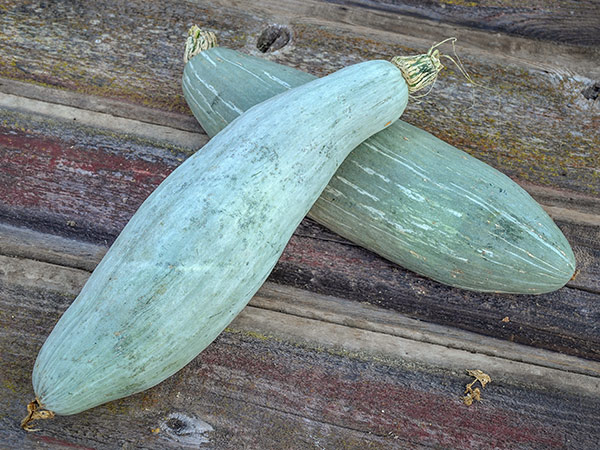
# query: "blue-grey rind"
(405, 194)
(205, 240)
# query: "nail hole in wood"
(592, 92)
(273, 38)
(177, 425)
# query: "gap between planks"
(360, 330)
(160, 126)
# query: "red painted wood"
(67, 182)
(261, 392)
(52, 441)
(393, 403)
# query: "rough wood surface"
(92, 119)
(532, 120)
(574, 22)
(69, 179)
(335, 386)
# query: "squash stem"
(198, 40)
(419, 71)
(34, 412)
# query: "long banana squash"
(403, 193)
(204, 241)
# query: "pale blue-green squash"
(205, 240)
(403, 193)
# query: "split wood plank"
(574, 22)
(282, 391)
(356, 327)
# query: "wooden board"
(348, 376)
(574, 22)
(552, 143)
(92, 119)
(94, 180)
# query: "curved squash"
(403, 193)
(204, 241)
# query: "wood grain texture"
(342, 271)
(573, 22)
(81, 167)
(532, 122)
(537, 122)
(76, 181)
(289, 313)
(251, 389)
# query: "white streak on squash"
(204, 241)
(407, 195)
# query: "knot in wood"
(177, 425)
(592, 92)
(273, 38)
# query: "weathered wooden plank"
(22, 117)
(557, 201)
(552, 143)
(350, 272)
(565, 321)
(50, 248)
(102, 120)
(76, 181)
(255, 390)
(87, 103)
(585, 240)
(569, 206)
(574, 22)
(362, 316)
(260, 386)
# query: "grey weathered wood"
(116, 108)
(26, 243)
(271, 380)
(575, 22)
(338, 323)
(322, 262)
(72, 200)
(104, 120)
(361, 316)
(351, 272)
(67, 190)
(532, 122)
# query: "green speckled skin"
(204, 241)
(405, 194)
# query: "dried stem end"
(34, 412)
(198, 40)
(419, 71)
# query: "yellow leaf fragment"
(475, 394)
(483, 378)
